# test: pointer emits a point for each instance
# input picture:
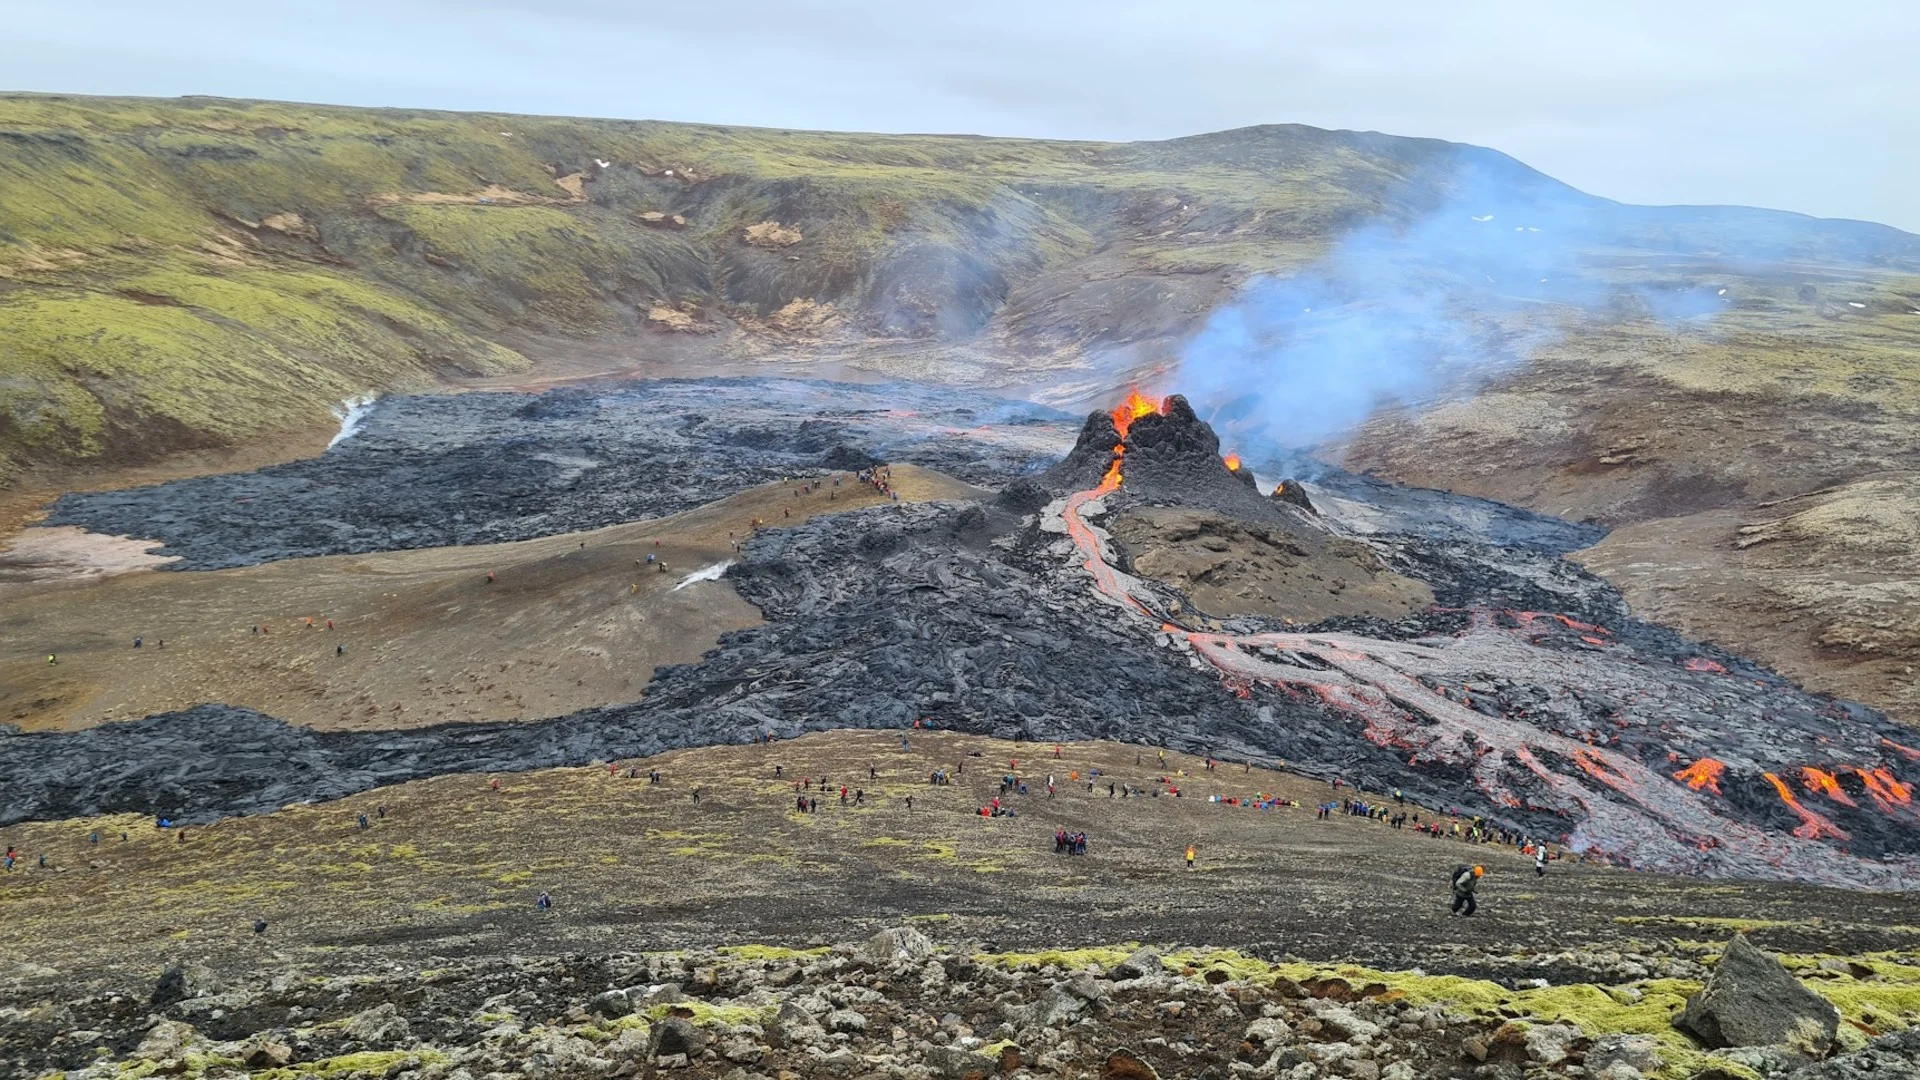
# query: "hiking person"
(1191, 852)
(339, 650)
(363, 822)
(1540, 861)
(1465, 879)
(259, 927)
(136, 643)
(52, 659)
(544, 903)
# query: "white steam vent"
(705, 573)
(350, 413)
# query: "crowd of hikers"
(1392, 811)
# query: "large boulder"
(184, 982)
(1142, 963)
(1751, 1000)
(380, 1026)
(898, 943)
(167, 1041)
(676, 1036)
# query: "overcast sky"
(1778, 103)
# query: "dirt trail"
(570, 621)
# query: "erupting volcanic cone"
(1162, 452)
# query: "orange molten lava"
(1124, 414)
(1704, 773)
(1812, 826)
(1111, 480)
(1827, 784)
(1233, 461)
(1135, 407)
(1886, 790)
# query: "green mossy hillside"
(199, 271)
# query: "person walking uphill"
(1465, 879)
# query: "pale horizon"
(1765, 107)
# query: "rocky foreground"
(901, 1006)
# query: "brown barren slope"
(570, 622)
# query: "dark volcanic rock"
(1169, 458)
(1173, 458)
(182, 982)
(1289, 490)
(1886, 1057)
(1088, 460)
(1752, 1001)
(487, 468)
(1528, 695)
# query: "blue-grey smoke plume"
(1428, 297)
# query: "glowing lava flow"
(1812, 826)
(1625, 809)
(1135, 407)
(1827, 784)
(1108, 583)
(1704, 773)
(1124, 414)
(1887, 791)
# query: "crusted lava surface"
(1527, 694)
(434, 470)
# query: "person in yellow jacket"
(1190, 854)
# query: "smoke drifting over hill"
(1411, 303)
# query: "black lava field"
(1527, 694)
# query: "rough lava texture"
(439, 470)
(1752, 1000)
(935, 1011)
(1526, 694)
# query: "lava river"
(1410, 696)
